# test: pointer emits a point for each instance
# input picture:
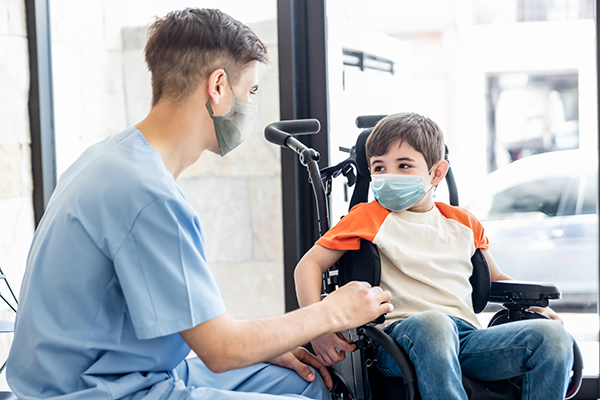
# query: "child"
(425, 250)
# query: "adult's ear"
(440, 169)
(217, 84)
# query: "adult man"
(117, 290)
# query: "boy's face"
(403, 159)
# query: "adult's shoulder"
(107, 188)
(123, 167)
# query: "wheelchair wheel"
(340, 390)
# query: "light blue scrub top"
(116, 269)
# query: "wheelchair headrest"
(362, 164)
(358, 158)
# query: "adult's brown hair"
(186, 46)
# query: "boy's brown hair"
(186, 46)
(420, 132)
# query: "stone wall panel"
(250, 289)
(14, 90)
(223, 205)
(10, 174)
(267, 229)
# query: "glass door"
(513, 86)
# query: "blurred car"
(540, 216)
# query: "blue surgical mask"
(398, 192)
(234, 127)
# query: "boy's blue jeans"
(442, 348)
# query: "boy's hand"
(548, 312)
(299, 359)
(355, 304)
(326, 346)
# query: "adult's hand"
(298, 360)
(224, 344)
(357, 303)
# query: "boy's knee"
(432, 324)
(428, 328)
(553, 339)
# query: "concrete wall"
(102, 85)
(238, 199)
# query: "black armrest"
(524, 294)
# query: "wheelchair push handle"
(281, 132)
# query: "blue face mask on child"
(398, 192)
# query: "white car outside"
(540, 216)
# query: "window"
(590, 195)
(507, 81)
(542, 196)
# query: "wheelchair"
(355, 377)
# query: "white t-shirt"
(425, 257)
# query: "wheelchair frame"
(516, 297)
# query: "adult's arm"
(329, 349)
(224, 343)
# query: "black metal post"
(41, 105)
(303, 94)
(597, 393)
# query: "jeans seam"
(416, 362)
(494, 350)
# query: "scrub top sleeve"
(162, 270)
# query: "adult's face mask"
(234, 127)
(398, 192)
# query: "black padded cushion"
(364, 265)
(361, 265)
(361, 153)
(361, 190)
(480, 280)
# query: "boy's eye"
(378, 168)
(403, 166)
(254, 91)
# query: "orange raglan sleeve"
(466, 218)
(362, 222)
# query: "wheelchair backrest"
(364, 264)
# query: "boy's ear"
(440, 170)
